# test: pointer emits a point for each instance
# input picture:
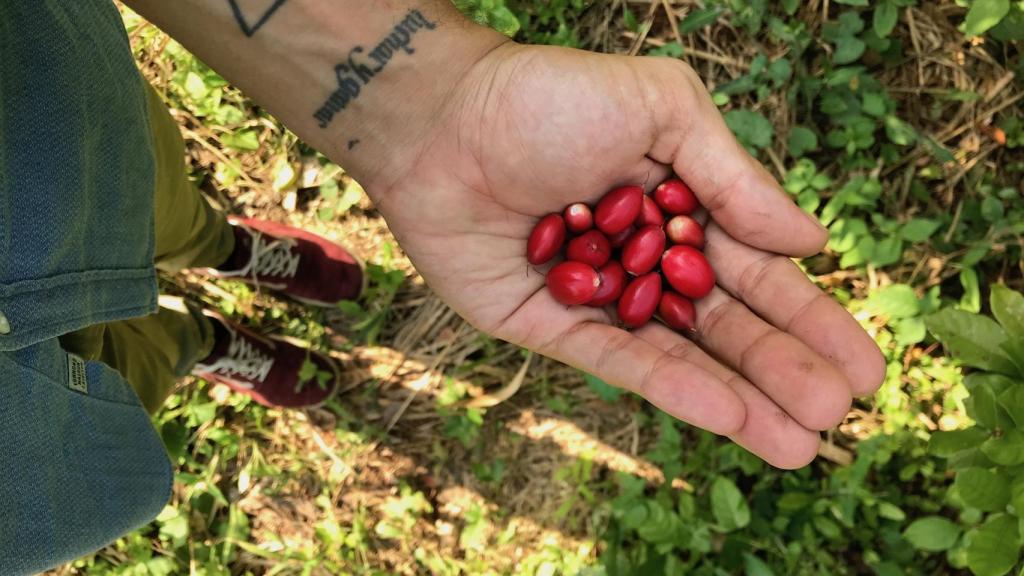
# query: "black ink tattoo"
(250, 28)
(356, 72)
(353, 143)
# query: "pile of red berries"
(618, 254)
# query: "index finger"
(735, 188)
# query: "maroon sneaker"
(296, 263)
(269, 371)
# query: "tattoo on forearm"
(356, 72)
(249, 27)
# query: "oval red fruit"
(677, 312)
(619, 240)
(688, 271)
(546, 239)
(640, 299)
(613, 282)
(675, 197)
(573, 283)
(641, 253)
(618, 209)
(650, 214)
(591, 247)
(685, 230)
(578, 217)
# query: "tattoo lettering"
(250, 27)
(360, 67)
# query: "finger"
(801, 382)
(680, 388)
(777, 290)
(740, 194)
(768, 431)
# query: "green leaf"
(891, 511)
(886, 16)
(1012, 400)
(995, 547)
(1008, 308)
(932, 533)
(985, 14)
(751, 128)
(899, 132)
(944, 444)
(992, 210)
(244, 141)
(801, 141)
(698, 19)
(919, 229)
(1007, 449)
(605, 391)
(971, 299)
(983, 489)
(894, 301)
(728, 505)
(984, 407)
(888, 251)
(849, 49)
(754, 566)
(972, 338)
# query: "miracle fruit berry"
(640, 300)
(613, 282)
(675, 197)
(546, 239)
(591, 248)
(618, 209)
(685, 230)
(578, 218)
(650, 214)
(643, 250)
(619, 240)
(688, 271)
(677, 312)
(573, 283)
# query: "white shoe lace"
(243, 359)
(268, 258)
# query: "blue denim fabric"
(78, 467)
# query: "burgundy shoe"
(269, 371)
(299, 264)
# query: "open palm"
(532, 129)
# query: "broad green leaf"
(932, 533)
(853, 2)
(983, 489)
(945, 444)
(1012, 400)
(1017, 495)
(1008, 308)
(984, 407)
(754, 566)
(894, 301)
(606, 391)
(972, 338)
(995, 547)
(751, 128)
(908, 330)
(1006, 449)
(888, 251)
(891, 511)
(698, 19)
(992, 210)
(985, 14)
(919, 229)
(728, 505)
(244, 141)
(899, 132)
(801, 141)
(886, 16)
(849, 49)
(971, 299)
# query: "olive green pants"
(154, 352)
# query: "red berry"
(675, 197)
(591, 247)
(573, 283)
(546, 239)
(618, 209)
(613, 282)
(688, 271)
(650, 214)
(685, 230)
(619, 240)
(643, 249)
(578, 217)
(640, 300)
(677, 312)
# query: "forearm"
(357, 79)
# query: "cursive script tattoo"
(361, 66)
(250, 27)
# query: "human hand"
(530, 130)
